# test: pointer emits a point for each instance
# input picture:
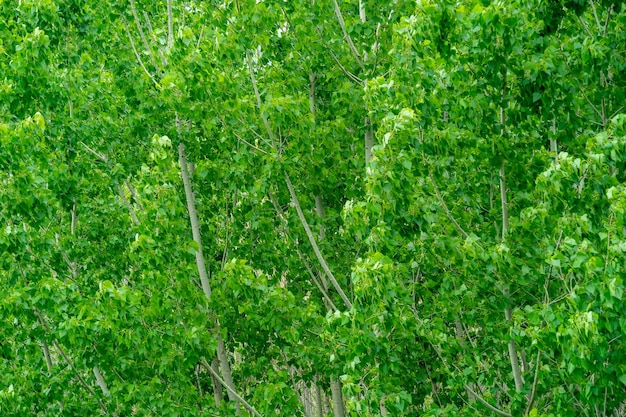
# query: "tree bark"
(335, 388)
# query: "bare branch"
(195, 224)
(533, 391)
(595, 14)
(228, 388)
(132, 44)
(258, 100)
(346, 35)
(318, 254)
(100, 156)
(486, 404)
(249, 144)
(445, 207)
(170, 26)
(345, 71)
(142, 35)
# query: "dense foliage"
(312, 207)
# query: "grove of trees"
(312, 208)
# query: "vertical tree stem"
(195, 225)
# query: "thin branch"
(281, 215)
(46, 354)
(132, 44)
(134, 194)
(595, 14)
(69, 362)
(598, 112)
(486, 404)
(445, 207)
(606, 21)
(258, 100)
(129, 206)
(533, 391)
(318, 254)
(616, 112)
(345, 71)
(249, 144)
(97, 154)
(195, 224)
(346, 35)
(228, 388)
(200, 36)
(584, 25)
(170, 26)
(547, 280)
(142, 35)
(503, 200)
(244, 123)
(227, 237)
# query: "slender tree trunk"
(513, 356)
(369, 140)
(338, 407)
(46, 354)
(218, 394)
(318, 400)
(222, 356)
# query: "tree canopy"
(312, 208)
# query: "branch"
(281, 215)
(142, 34)
(133, 216)
(132, 44)
(445, 207)
(100, 381)
(69, 362)
(229, 389)
(249, 144)
(342, 23)
(97, 154)
(533, 391)
(316, 249)
(486, 404)
(258, 99)
(345, 71)
(595, 15)
(195, 225)
(170, 26)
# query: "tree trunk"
(338, 407)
